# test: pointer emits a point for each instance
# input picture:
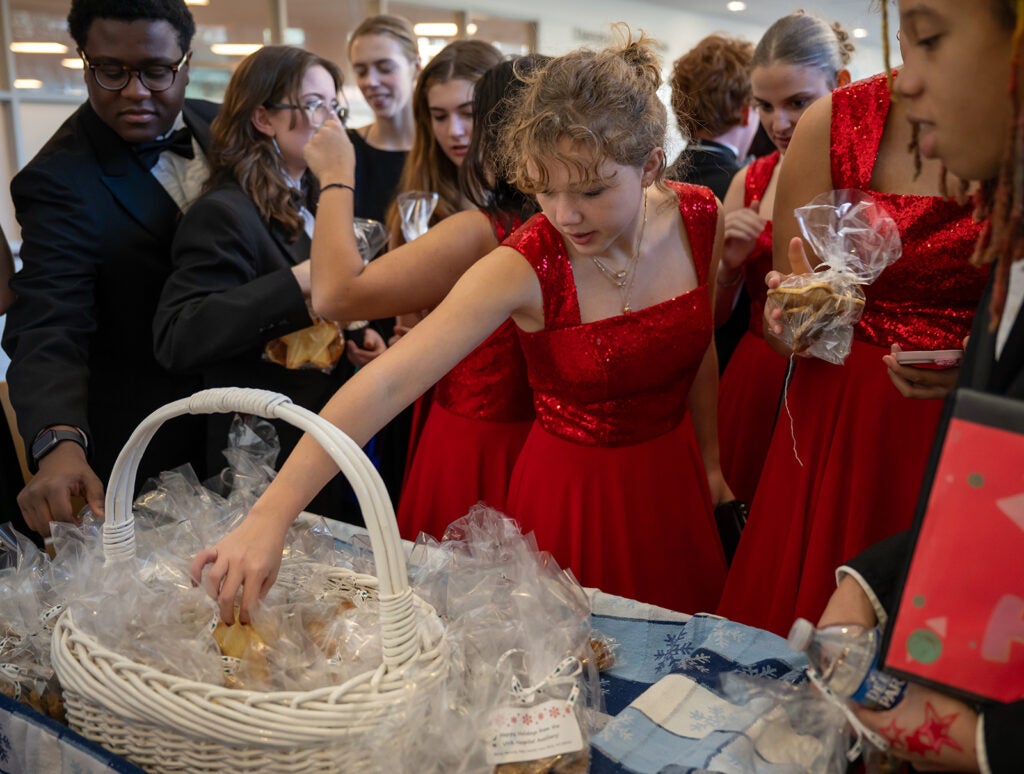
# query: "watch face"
(49, 439)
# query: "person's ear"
(842, 78)
(261, 120)
(654, 164)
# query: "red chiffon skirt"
(748, 399)
(458, 462)
(631, 520)
(864, 450)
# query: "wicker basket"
(166, 723)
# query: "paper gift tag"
(529, 733)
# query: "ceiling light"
(436, 29)
(736, 5)
(471, 28)
(860, 32)
(235, 49)
(28, 83)
(26, 47)
(197, 2)
(73, 63)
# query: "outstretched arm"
(498, 286)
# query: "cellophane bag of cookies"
(519, 629)
(28, 610)
(855, 238)
(322, 344)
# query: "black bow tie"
(179, 142)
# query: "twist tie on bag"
(861, 731)
(564, 674)
(14, 673)
(49, 617)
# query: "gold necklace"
(623, 278)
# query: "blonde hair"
(396, 27)
(605, 102)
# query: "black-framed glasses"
(317, 110)
(114, 77)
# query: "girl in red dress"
(609, 288)
(862, 446)
(482, 409)
(798, 60)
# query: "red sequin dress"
(477, 422)
(610, 479)
(864, 447)
(749, 391)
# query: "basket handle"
(119, 525)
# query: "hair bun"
(640, 55)
(846, 47)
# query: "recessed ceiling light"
(73, 63)
(471, 28)
(27, 47)
(197, 2)
(436, 29)
(235, 49)
(860, 32)
(28, 83)
(736, 5)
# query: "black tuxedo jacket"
(706, 163)
(96, 240)
(230, 292)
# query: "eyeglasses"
(317, 110)
(115, 77)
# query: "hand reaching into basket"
(247, 559)
(63, 474)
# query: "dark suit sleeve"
(1003, 746)
(50, 327)
(881, 566)
(231, 289)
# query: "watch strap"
(48, 439)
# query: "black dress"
(377, 175)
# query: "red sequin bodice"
(624, 379)
(490, 382)
(927, 298)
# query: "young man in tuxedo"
(98, 207)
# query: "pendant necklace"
(623, 278)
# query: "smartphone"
(934, 358)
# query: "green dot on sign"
(924, 646)
(918, 601)
(976, 480)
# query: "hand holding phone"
(934, 358)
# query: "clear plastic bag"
(856, 239)
(415, 209)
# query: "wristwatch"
(48, 439)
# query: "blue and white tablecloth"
(674, 708)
